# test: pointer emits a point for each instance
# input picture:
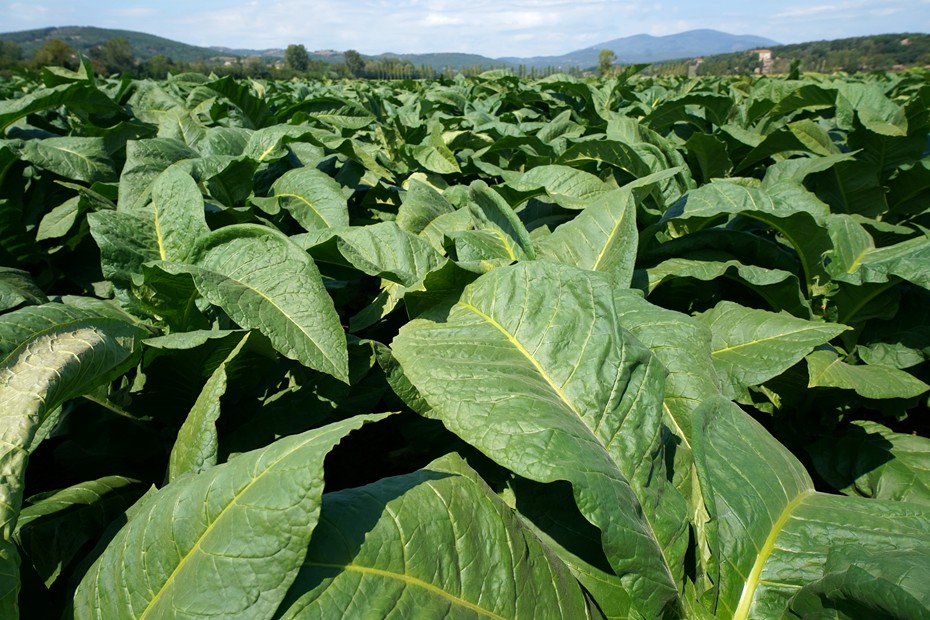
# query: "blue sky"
(489, 27)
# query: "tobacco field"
(630, 347)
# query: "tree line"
(116, 56)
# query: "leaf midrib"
(283, 313)
(219, 517)
(753, 580)
(412, 581)
(306, 202)
(777, 336)
(529, 356)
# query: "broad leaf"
(313, 198)
(81, 159)
(53, 530)
(435, 543)
(888, 584)
(773, 532)
(264, 281)
(182, 554)
(510, 346)
(492, 213)
(178, 210)
(603, 237)
(59, 354)
(17, 288)
(752, 346)
(871, 460)
(571, 188)
(827, 370)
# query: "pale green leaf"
(55, 354)
(751, 346)
(869, 381)
(55, 529)
(81, 159)
(871, 460)
(17, 288)
(178, 212)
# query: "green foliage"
(645, 347)
(296, 57)
(882, 52)
(605, 60)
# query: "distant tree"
(254, 66)
(10, 54)
(114, 56)
(158, 66)
(296, 58)
(354, 62)
(605, 60)
(54, 52)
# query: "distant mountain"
(644, 48)
(83, 38)
(641, 48)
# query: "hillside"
(83, 38)
(722, 53)
(634, 49)
(873, 53)
(644, 48)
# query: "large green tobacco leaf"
(383, 249)
(907, 260)
(493, 214)
(76, 95)
(570, 188)
(871, 460)
(752, 346)
(773, 533)
(51, 354)
(264, 281)
(826, 369)
(224, 543)
(422, 204)
(313, 198)
(127, 240)
(683, 345)
(433, 154)
(255, 109)
(727, 197)
(82, 159)
(178, 212)
(786, 206)
(436, 543)
(333, 111)
(603, 237)
(532, 367)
